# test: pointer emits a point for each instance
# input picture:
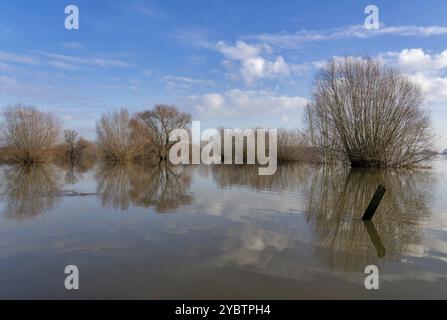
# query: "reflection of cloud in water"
(334, 203)
(266, 252)
(160, 186)
(301, 223)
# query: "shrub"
(28, 133)
(369, 115)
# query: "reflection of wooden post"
(374, 204)
(375, 238)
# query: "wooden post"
(374, 203)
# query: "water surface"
(217, 232)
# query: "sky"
(229, 63)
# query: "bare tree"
(116, 138)
(159, 123)
(85, 150)
(29, 133)
(70, 137)
(75, 150)
(369, 115)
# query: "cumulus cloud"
(434, 85)
(241, 51)
(237, 102)
(418, 60)
(424, 68)
(252, 66)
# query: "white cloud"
(178, 82)
(91, 61)
(418, 60)
(13, 57)
(66, 62)
(239, 102)
(291, 40)
(252, 66)
(212, 104)
(435, 86)
(9, 86)
(187, 80)
(241, 51)
(424, 68)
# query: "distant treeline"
(29, 135)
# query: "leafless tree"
(29, 133)
(159, 124)
(80, 153)
(116, 138)
(85, 150)
(369, 115)
(70, 137)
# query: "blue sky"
(229, 63)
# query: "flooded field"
(217, 232)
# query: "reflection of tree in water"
(160, 185)
(163, 186)
(29, 190)
(75, 169)
(287, 176)
(338, 200)
(113, 184)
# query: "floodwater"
(221, 232)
